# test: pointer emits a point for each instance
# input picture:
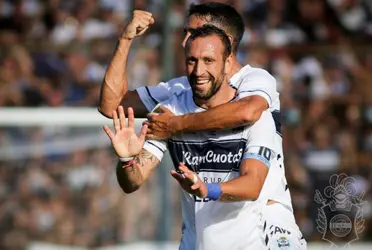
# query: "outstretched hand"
(160, 124)
(190, 181)
(125, 141)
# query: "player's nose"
(198, 69)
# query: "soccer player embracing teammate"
(235, 192)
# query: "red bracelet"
(128, 164)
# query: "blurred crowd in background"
(53, 53)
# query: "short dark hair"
(225, 16)
(208, 30)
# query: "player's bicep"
(261, 154)
(257, 160)
(256, 170)
(132, 99)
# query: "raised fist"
(141, 21)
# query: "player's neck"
(224, 95)
(236, 67)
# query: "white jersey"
(216, 157)
(248, 81)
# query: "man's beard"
(215, 86)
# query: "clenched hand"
(141, 21)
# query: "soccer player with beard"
(228, 176)
(258, 86)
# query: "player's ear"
(231, 38)
(228, 63)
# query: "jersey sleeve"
(157, 148)
(261, 140)
(259, 82)
(153, 95)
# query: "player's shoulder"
(251, 79)
(178, 85)
(178, 101)
(254, 73)
(179, 81)
(181, 96)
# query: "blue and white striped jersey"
(216, 157)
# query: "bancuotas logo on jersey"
(211, 157)
(208, 156)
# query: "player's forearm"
(131, 177)
(229, 115)
(115, 84)
(242, 188)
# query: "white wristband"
(195, 178)
(126, 159)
